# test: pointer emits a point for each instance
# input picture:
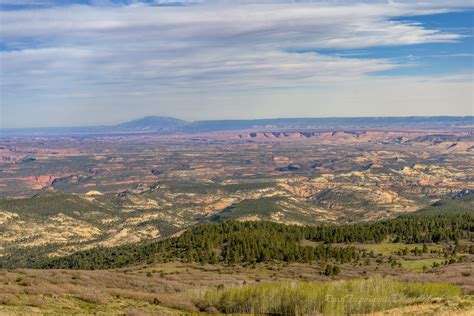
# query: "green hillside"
(44, 205)
(247, 242)
(453, 206)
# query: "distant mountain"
(151, 124)
(331, 123)
(168, 125)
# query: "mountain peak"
(152, 123)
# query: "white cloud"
(209, 47)
(205, 41)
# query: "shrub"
(8, 299)
(93, 297)
(36, 300)
(338, 297)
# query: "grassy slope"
(417, 264)
(388, 248)
(174, 288)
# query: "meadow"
(360, 296)
(176, 288)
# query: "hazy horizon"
(86, 63)
(236, 119)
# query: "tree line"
(234, 242)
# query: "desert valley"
(118, 190)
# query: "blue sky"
(427, 58)
(87, 62)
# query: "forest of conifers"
(235, 242)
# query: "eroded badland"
(65, 193)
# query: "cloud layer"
(206, 46)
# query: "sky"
(94, 62)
